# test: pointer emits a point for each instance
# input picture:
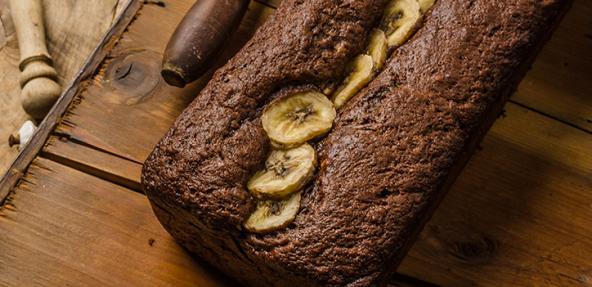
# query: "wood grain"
(129, 92)
(559, 83)
(63, 227)
(73, 28)
(96, 162)
(522, 198)
(519, 215)
(25, 157)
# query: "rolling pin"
(198, 39)
(38, 79)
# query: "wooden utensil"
(196, 42)
(38, 78)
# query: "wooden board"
(27, 154)
(63, 227)
(559, 83)
(521, 199)
(74, 28)
(518, 215)
(140, 106)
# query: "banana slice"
(328, 88)
(425, 5)
(286, 171)
(298, 118)
(400, 20)
(361, 73)
(272, 215)
(378, 48)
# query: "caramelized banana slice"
(361, 73)
(272, 215)
(425, 5)
(328, 88)
(298, 118)
(286, 171)
(378, 48)
(400, 20)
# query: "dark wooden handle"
(197, 40)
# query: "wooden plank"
(73, 28)
(512, 150)
(510, 224)
(559, 83)
(96, 162)
(139, 105)
(63, 227)
(26, 156)
(521, 199)
(519, 215)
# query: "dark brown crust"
(395, 148)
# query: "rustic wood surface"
(73, 28)
(519, 215)
(128, 89)
(63, 227)
(31, 150)
(559, 83)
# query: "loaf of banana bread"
(393, 150)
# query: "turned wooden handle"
(38, 78)
(198, 39)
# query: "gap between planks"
(32, 149)
(66, 227)
(94, 161)
(130, 176)
(550, 116)
(108, 167)
(525, 150)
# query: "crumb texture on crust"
(206, 158)
(391, 151)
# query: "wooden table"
(73, 30)
(519, 215)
